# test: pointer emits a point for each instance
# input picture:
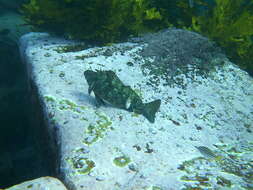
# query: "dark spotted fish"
(108, 88)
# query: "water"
(231, 30)
(21, 158)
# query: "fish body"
(108, 88)
(208, 153)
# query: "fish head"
(90, 76)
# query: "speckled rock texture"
(43, 183)
(107, 148)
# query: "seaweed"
(230, 24)
(227, 22)
(92, 20)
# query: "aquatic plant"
(230, 24)
(99, 20)
(227, 22)
(178, 13)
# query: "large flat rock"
(107, 148)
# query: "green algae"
(107, 52)
(98, 130)
(236, 163)
(71, 105)
(82, 57)
(94, 131)
(188, 187)
(52, 104)
(55, 105)
(135, 114)
(70, 48)
(223, 181)
(29, 186)
(230, 24)
(88, 166)
(121, 161)
(49, 98)
(82, 165)
(84, 20)
(66, 104)
(202, 181)
(156, 188)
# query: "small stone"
(62, 74)
(100, 178)
(249, 131)
(130, 64)
(152, 131)
(75, 116)
(133, 167)
(78, 110)
(198, 127)
(47, 54)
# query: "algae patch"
(82, 165)
(49, 98)
(71, 48)
(66, 104)
(156, 188)
(121, 161)
(233, 168)
(97, 130)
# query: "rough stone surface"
(43, 183)
(109, 148)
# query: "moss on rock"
(121, 161)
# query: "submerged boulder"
(41, 183)
(206, 101)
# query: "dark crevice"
(26, 151)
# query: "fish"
(109, 89)
(208, 153)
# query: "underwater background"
(228, 23)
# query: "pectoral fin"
(91, 87)
(128, 104)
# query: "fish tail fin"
(150, 110)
